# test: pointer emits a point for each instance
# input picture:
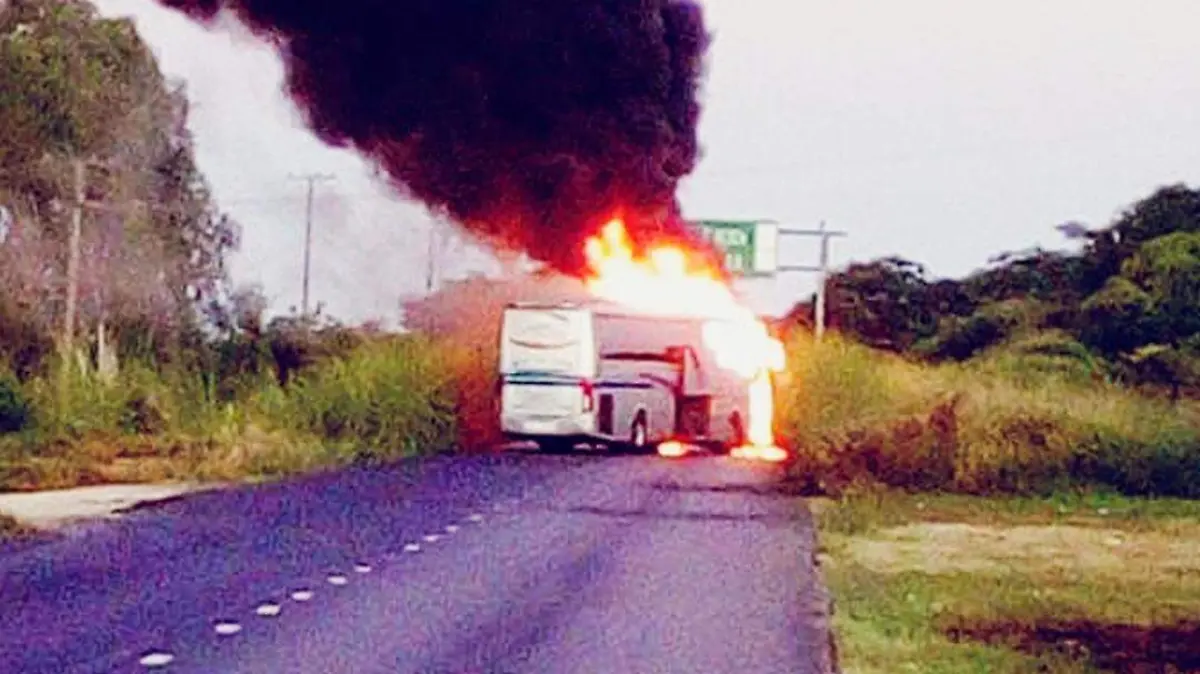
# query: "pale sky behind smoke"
(939, 130)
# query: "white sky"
(945, 131)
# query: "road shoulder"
(54, 509)
(947, 583)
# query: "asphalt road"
(511, 563)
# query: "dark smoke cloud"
(530, 122)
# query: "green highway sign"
(751, 246)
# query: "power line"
(783, 169)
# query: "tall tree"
(152, 244)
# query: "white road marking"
(156, 659)
(338, 580)
(362, 568)
(432, 538)
(476, 518)
(412, 547)
(227, 629)
(451, 528)
(268, 610)
(302, 595)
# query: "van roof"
(602, 307)
(587, 304)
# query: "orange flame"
(664, 282)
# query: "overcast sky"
(940, 130)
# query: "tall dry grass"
(387, 398)
(855, 414)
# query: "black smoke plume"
(529, 122)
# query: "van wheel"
(556, 446)
(639, 434)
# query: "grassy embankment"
(977, 524)
(384, 399)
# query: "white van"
(602, 374)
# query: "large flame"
(665, 281)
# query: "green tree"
(1170, 209)
(65, 76)
(1167, 269)
(1118, 318)
(153, 244)
(889, 303)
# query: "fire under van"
(603, 374)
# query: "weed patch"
(1080, 582)
(854, 415)
(379, 400)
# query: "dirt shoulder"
(953, 584)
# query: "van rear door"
(547, 362)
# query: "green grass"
(386, 399)
(996, 501)
(985, 426)
(906, 570)
(394, 399)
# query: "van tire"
(639, 434)
(556, 446)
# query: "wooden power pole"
(79, 169)
(312, 179)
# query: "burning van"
(603, 373)
(661, 354)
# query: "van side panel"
(638, 386)
(633, 362)
(633, 349)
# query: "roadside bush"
(1032, 360)
(393, 398)
(859, 416)
(961, 337)
(297, 343)
(71, 403)
(14, 408)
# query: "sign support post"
(822, 269)
(751, 250)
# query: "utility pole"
(312, 179)
(822, 269)
(431, 262)
(79, 169)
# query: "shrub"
(961, 337)
(855, 415)
(1033, 360)
(392, 398)
(14, 408)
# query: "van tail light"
(589, 395)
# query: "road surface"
(508, 563)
